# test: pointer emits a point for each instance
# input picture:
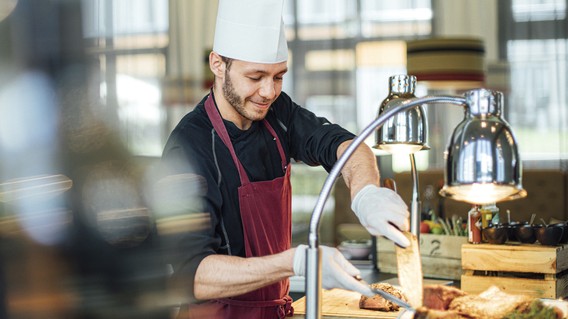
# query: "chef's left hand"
(382, 212)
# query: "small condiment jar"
(474, 225)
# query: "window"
(534, 41)
(396, 18)
(127, 39)
(540, 10)
(538, 105)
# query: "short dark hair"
(228, 61)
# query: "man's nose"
(267, 89)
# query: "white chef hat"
(251, 30)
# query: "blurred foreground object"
(77, 234)
(6, 7)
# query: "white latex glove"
(337, 272)
(382, 212)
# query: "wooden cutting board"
(341, 304)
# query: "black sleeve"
(186, 218)
(312, 139)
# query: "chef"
(240, 139)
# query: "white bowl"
(355, 249)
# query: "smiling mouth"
(262, 105)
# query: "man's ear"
(216, 65)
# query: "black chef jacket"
(304, 137)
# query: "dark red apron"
(266, 215)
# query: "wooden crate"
(441, 256)
(534, 270)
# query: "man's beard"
(237, 102)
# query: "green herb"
(536, 310)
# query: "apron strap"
(220, 128)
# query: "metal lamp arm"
(313, 266)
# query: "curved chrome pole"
(313, 258)
(415, 205)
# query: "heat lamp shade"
(406, 132)
(482, 158)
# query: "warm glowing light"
(405, 149)
(482, 193)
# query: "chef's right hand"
(337, 272)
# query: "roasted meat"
(439, 297)
(451, 303)
(379, 303)
(425, 313)
(490, 304)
